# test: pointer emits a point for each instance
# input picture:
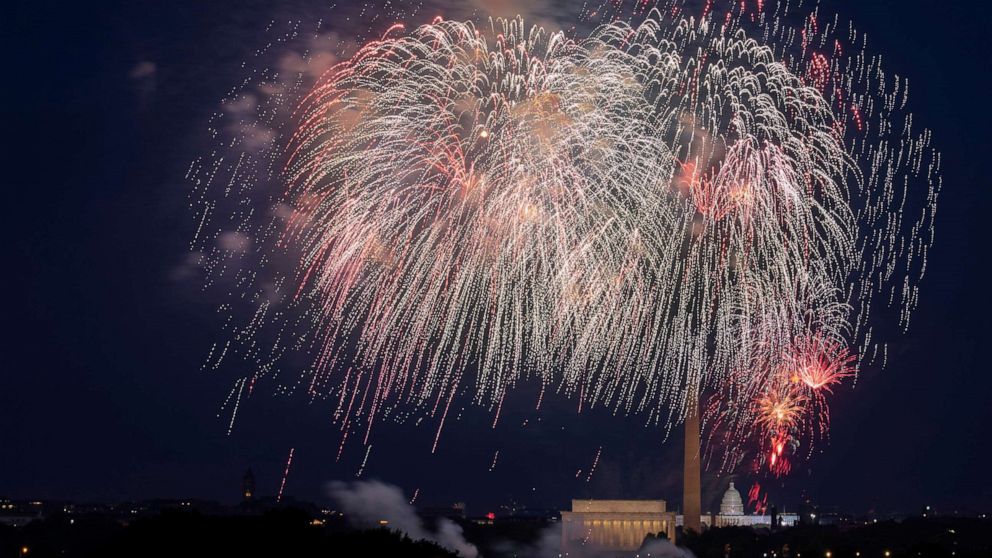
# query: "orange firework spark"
(820, 363)
(781, 408)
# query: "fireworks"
(819, 364)
(633, 217)
(285, 474)
(790, 402)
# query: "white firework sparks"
(631, 217)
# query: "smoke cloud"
(547, 545)
(366, 503)
(663, 548)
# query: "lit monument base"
(613, 525)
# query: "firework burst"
(692, 203)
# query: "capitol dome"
(732, 503)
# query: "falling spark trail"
(595, 462)
(237, 404)
(361, 468)
(285, 474)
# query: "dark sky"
(101, 393)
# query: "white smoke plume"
(366, 503)
(547, 545)
(663, 548)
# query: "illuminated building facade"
(732, 514)
(614, 525)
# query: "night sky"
(101, 393)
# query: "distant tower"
(248, 486)
(692, 507)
